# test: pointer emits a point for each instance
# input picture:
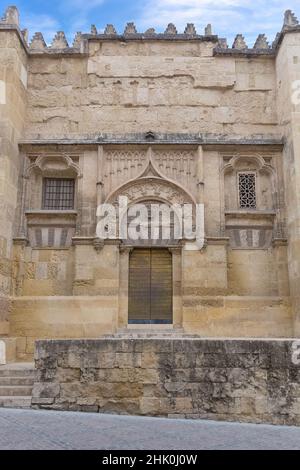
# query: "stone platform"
(232, 380)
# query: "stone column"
(177, 285)
(123, 286)
(200, 175)
(100, 163)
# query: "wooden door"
(150, 286)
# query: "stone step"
(22, 369)
(15, 402)
(12, 381)
(151, 333)
(15, 391)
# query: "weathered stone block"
(212, 379)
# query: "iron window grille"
(247, 190)
(58, 194)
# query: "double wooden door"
(150, 286)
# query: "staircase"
(16, 383)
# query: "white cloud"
(45, 24)
(77, 14)
(80, 13)
(228, 17)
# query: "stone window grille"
(58, 194)
(247, 190)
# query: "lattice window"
(247, 190)
(58, 194)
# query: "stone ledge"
(178, 139)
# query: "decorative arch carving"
(151, 184)
(54, 164)
(242, 161)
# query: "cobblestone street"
(26, 429)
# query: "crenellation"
(94, 31)
(290, 20)
(222, 43)
(190, 29)
(208, 30)
(261, 42)
(77, 43)
(130, 29)
(239, 42)
(110, 30)
(171, 29)
(38, 42)
(11, 16)
(59, 41)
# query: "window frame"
(45, 206)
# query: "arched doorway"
(150, 289)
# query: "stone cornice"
(153, 37)
(246, 53)
(158, 139)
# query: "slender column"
(100, 175)
(22, 229)
(200, 175)
(177, 286)
(123, 286)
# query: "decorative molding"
(98, 244)
(259, 160)
(207, 139)
(43, 164)
(151, 183)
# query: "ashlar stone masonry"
(233, 380)
(164, 117)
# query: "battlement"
(60, 45)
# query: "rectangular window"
(58, 194)
(247, 190)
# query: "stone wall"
(128, 87)
(13, 95)
(237, 316)
(241, 380)
(35, 317)
(288, 73)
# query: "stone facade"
(239, 380)
(169, 117)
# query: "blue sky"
(228, 17)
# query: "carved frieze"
(122, 165)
